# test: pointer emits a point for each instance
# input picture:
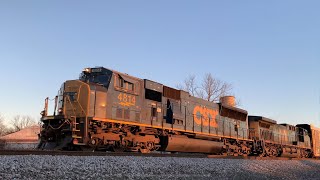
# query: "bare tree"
(211, 89)
(190, 85)
(3, 128)
(214, 88)
(20, 122)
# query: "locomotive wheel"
(118, 147)
(144, 151)
(144, 148)
(94, 141)
(151, 146)
(94, 144)
(308, 154)
(88, 148)
(247, 153)
(276, 152)
(267, 151)
(227, 151)
(263, 154)
(304, 154)
(272, 151)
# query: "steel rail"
(118, 154)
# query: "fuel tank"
(190, 145)
(290, 153)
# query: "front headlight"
(87, 70)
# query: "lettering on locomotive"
(126, 100)
(205, 116)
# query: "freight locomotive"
(108, 110)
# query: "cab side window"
(125, 84)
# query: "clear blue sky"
(268, 50)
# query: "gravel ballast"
(71, 167)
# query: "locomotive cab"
(74, 106)
(99, 76)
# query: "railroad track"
(178, 155)
(97, 153)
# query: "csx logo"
(205, 116)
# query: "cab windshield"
(100, 76)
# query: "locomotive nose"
(76, 98)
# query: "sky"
(268, 50)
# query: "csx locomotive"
(108, 110)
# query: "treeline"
(15, 124)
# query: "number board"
(95, 70)
(126, 99)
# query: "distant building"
(24, 139)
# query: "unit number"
(126, 100)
